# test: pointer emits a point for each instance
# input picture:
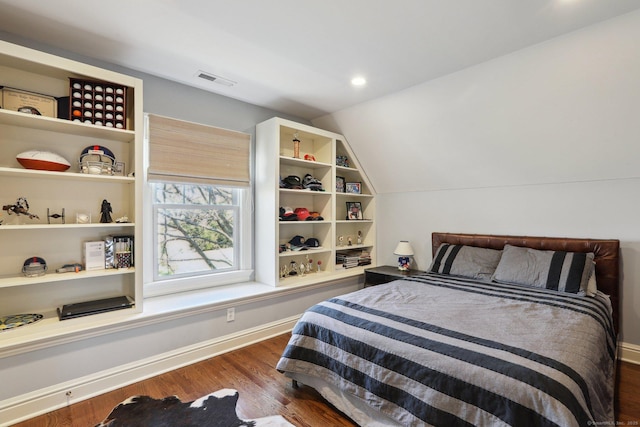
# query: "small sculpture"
(293, 268)
(296, 146)
(359, 237)
(20, 208)
(55, 216)
(105, 212)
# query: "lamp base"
(404, 263)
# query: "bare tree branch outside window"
(195, 227)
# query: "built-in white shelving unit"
(56, 242)
(276, 159)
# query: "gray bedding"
(437, 350)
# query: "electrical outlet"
(231, 314)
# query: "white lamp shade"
(403, 249)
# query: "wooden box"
(99, 103)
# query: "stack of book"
(353, 258)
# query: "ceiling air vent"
(213, 78)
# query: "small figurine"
(105, 211)
(55, 216)
(296, 146)
(340, 240)
(293, 268)
(359, 237)
(349, 242)
(319, 264)
(20, 208)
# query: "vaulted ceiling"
(297, 56)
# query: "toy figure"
(105, 210)
(20, 208)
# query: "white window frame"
(153, 287)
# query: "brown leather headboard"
(607, 255)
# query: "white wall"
(544, 141)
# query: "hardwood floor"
(264, 391)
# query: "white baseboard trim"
(29, 405)
(629, 353)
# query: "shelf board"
(291, 161)
(304, 222)
(322, 276)
(305, 192)
(14, 118)
(289, 254)
(347, 247)
(353, 195)
(347, 169)
(353, 221)
(50, 329)
(33, 173)
(66, 226)
(12, 281)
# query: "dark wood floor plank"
(264, 391)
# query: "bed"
(472, 342)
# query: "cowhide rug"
(216, 409)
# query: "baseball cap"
(298, 244)
(287, 214)
(312, 243)
(314, 216)
(302, 213)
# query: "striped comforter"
(446, 351)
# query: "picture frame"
(340, 184)
(354, 211)
(353, 187)
(119, 169)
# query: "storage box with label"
(28, 102)
(94, 255)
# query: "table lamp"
(404, 251)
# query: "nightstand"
(386, 273)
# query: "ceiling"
(298, 56)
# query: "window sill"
(50, 331)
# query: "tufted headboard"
(607, 255)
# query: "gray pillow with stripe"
(465, 261)
(555, 270)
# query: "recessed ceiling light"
(358, 81)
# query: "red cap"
(302, 213)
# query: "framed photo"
(118, 169)
(340, 184)
(353, 187)
(354, 210)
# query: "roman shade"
(181, 151)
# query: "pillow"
(592, 286)
(555, 270)
(465, 261)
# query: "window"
(197, 205)
(196, 229)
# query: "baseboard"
(629, 353)
(36, 403)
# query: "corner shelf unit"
(275, 160)
(55, 241)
